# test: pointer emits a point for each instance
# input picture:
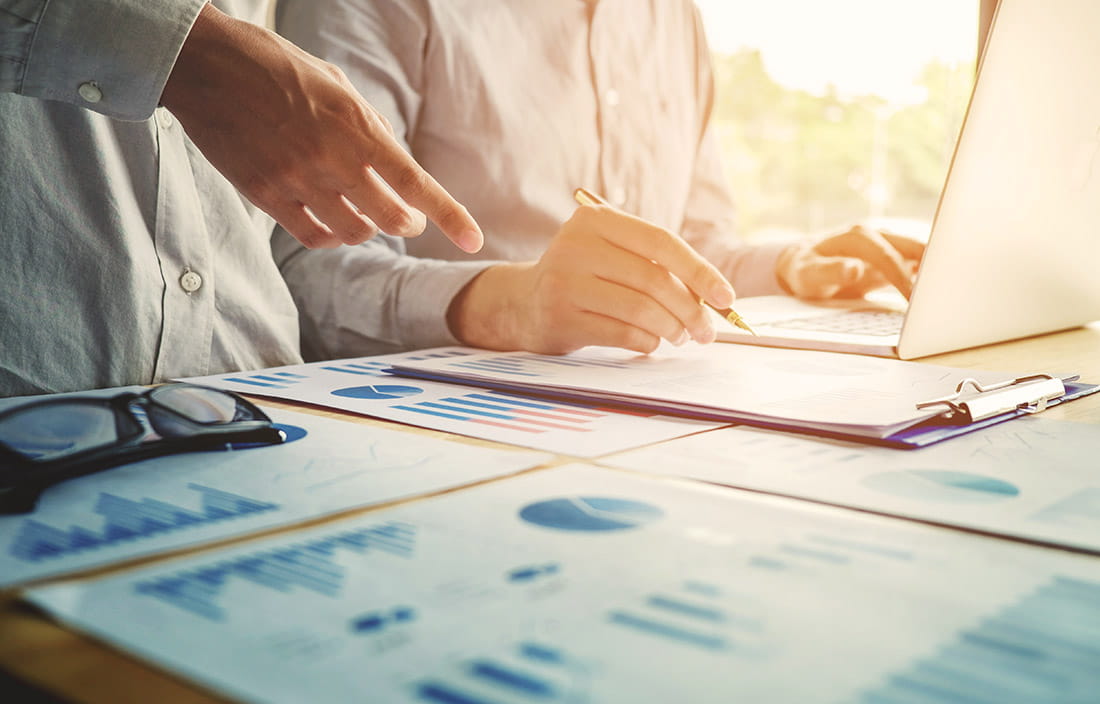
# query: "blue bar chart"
(692, 616)
(365, 385)
(125, 520)
(531, 365)
(531, 671)
(1043, 648)
(312, 565)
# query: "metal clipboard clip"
(973, 402)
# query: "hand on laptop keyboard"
(850, 264)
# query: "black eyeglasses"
(48, 441)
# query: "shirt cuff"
(428, 293)
(112, 56)
(752, 270)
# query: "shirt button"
(164, 118)
(190, 281)
(90, 91)
(612, 98)
(618, 196)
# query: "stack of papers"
(825, 392)
(577, 585)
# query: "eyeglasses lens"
(204, 406)
(58, 430)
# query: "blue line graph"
(127, 520)
(1043, 648)
(310, 565)
(270, 380)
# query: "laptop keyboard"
(855, 322)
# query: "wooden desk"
(54, 660)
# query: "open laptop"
(1015, 244)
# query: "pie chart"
(378, 392)
(941, 485)
(590, 514)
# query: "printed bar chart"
(127, 520)
(1043, 648)
(364, 385)
(311, 565)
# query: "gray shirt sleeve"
(369, 299)
(373, 298)
(111, 57)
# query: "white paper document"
(362, 386)
(1033, 478)
(585, 585)
(170, 502)
(824, 391)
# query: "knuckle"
(311, 237)
(260, 191)
(358, 234)
(396, 220)
(639, 340)
(410, 181)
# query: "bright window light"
(832, 113)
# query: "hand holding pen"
(606, 278)
(586, 197)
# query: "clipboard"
(971, 407)
(863, 399)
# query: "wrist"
(783, 265)
(216, 45)
(488, 311)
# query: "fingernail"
(853, 270)
(470, 241)
(722, 296)
(682, 339)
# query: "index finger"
(906, 246)
(874, 249)
(661, 246)
(416, 187)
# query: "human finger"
(597, 329)
(296, 219)
(872, 248)
(634, 272)
(416, 187)
(392, 215)
(629, 306)
(346, 223)
(659, 245)
(814, 276)
(906, 246)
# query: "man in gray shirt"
(511, 106)
(124, 126)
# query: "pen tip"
(744, 326)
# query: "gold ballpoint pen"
(587, 197)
